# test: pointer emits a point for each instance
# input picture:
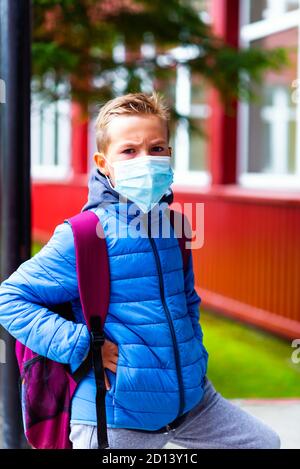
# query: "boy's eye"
(128, 150)
(157, 149)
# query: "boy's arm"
(192, 298)
(48, 278)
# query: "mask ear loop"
(108, 180)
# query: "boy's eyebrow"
(134, 143)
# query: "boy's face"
(132, 136)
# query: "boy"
(154, 357)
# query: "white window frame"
(248, 33)
(182, 174)
(43, 166)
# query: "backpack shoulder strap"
(92, 268)
(183, 232)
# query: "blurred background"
(229, 71)
(246, 169)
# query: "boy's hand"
(110, 358)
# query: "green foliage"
(74, 40)
(35, 248)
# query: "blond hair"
(131, 103)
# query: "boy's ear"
(100, 162)
(170, 150)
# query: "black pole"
(15, 212)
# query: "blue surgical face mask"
(143, 180)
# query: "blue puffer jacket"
(153, 317)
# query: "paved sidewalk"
(283, 415)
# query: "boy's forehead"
(136, 128)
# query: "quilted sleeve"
(48, 278)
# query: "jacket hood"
(100, 191)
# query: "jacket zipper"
(168, 314)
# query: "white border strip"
(50, 172)
(191, 178)
(260, 29)
(269, 181)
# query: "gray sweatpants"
(214, 423)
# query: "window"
(190, 97)
(267, 9)
(190, 159)
(189, 94)
(50, 138)
(269, 130)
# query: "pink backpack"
(46, 386)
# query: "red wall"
(53, 202)
(249, 265)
